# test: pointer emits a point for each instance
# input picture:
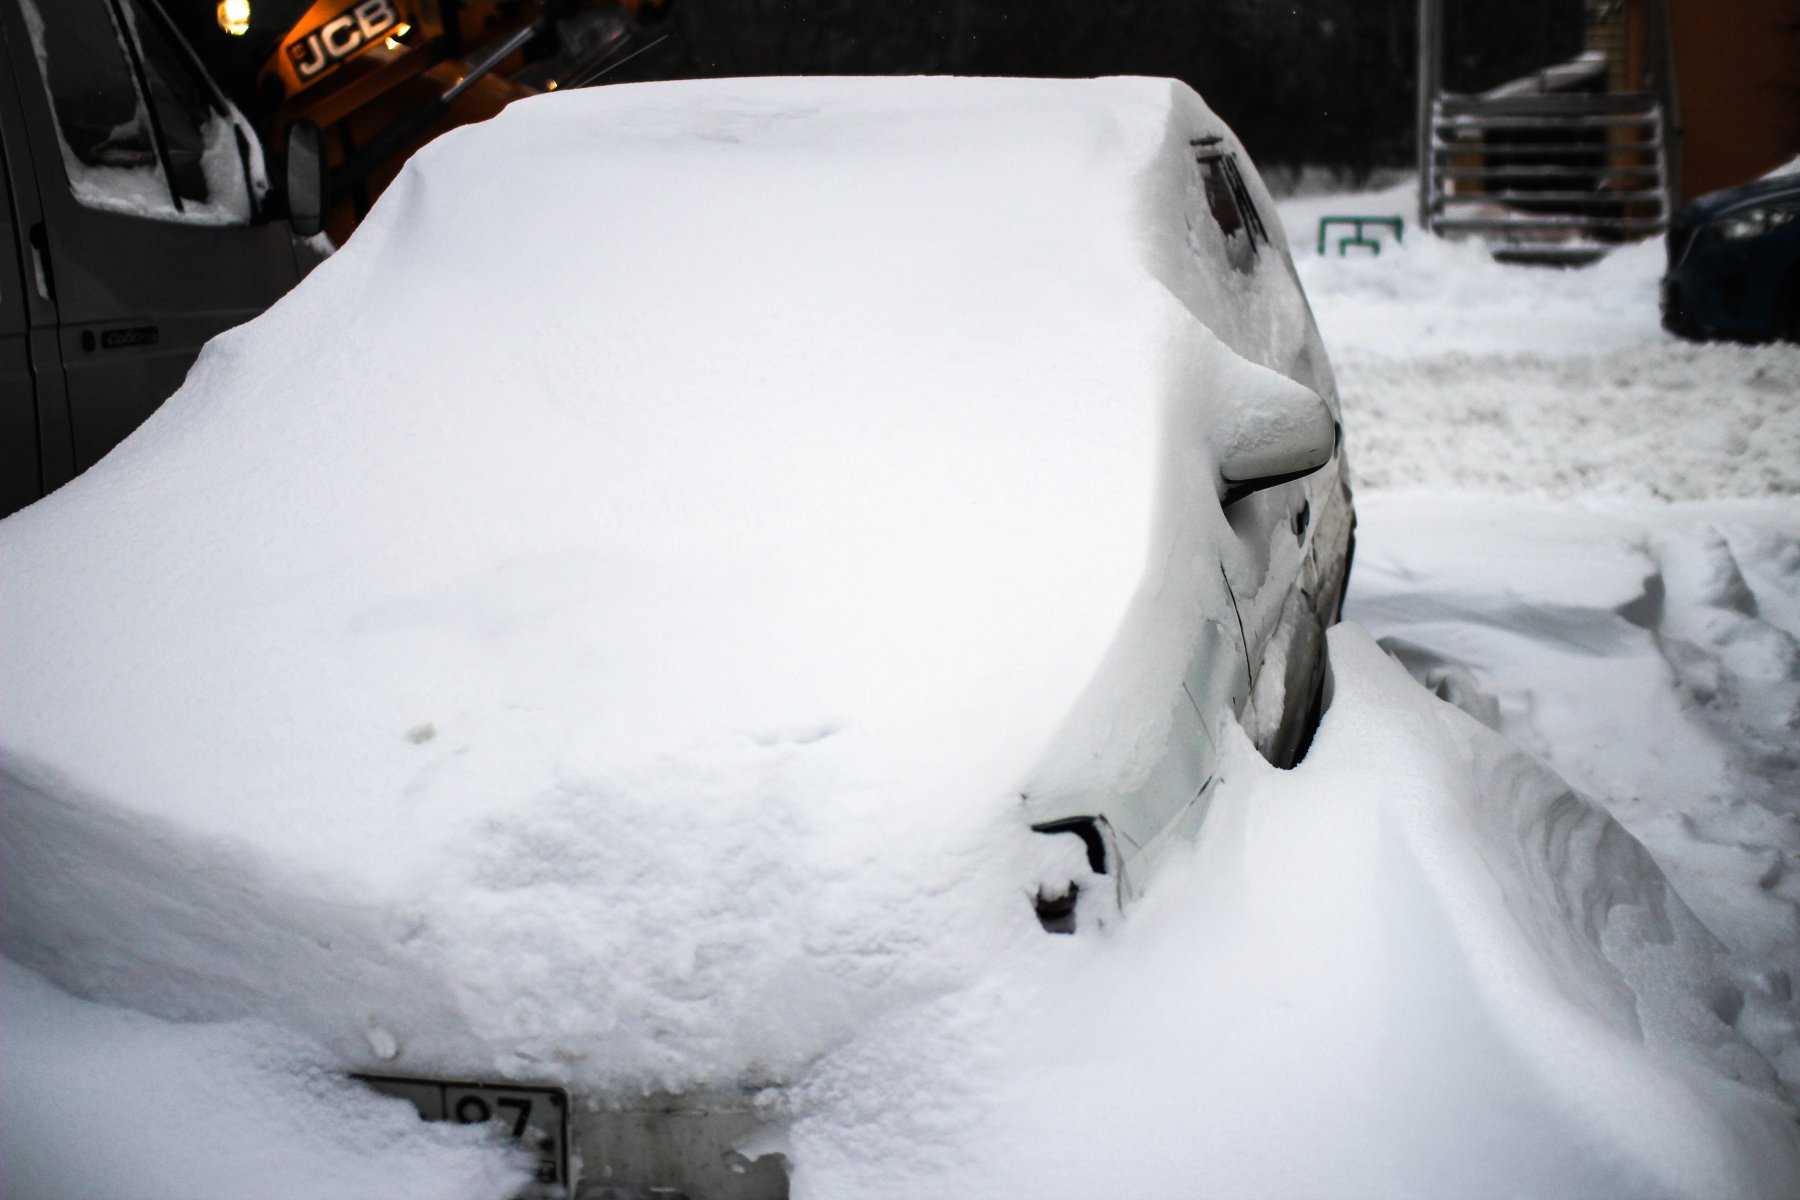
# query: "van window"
(201, 142)
(151, 144)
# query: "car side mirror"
(1271, 431)
(308, 178)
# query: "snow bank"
(1651, 658)
(104, 1102)
(1425, 296)
(1516, 434)
(1418, 964)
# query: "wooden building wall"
(1737, 72)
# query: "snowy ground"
(1416, 965)
(1586, 532)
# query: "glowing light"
(234, 17)
(400, 31)
(553, 85)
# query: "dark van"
(135, 228)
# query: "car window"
(1229, 203)
(1219, 198)
(138, 131)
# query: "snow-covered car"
(779, 505)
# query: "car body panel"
(21, 479)
(1724, 283)
(1237, 280)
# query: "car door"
(149, 239)
(36, 453)
(20, 476)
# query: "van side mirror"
(308, 181)
(1271, 431)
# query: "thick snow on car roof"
(760, 407)
(708, 484)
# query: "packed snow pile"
(1652, 659)
(1516, 434)
(107, 1102)
(628, 682)
(1418, 964)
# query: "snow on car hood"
(639, 567)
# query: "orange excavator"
(350, 88)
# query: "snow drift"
(105, 1102)
(1417, 964)
(1653, 659)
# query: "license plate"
(537, 1116)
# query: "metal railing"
(1581, 150)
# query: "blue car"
(1734, 264)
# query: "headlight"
(1753, 223)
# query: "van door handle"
(40, 262)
